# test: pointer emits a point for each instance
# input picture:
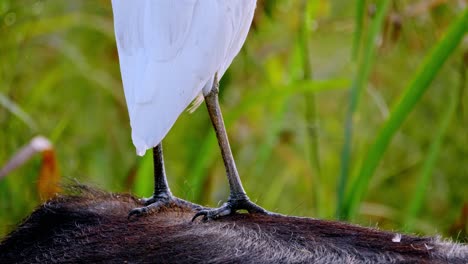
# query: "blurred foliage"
(284, 99)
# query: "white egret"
(171, 53)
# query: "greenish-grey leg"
(238, 199)
(162, 195)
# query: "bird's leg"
(162, 194)
(161, 187)
(238, 199)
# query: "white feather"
(169, 51)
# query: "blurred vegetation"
(335, 109)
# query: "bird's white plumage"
(169, 52)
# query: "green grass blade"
(310, 9)
(358, 24)
(419, 193)
(357, 87)
(412, 95)
(16, 110)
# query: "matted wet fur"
(91, 226)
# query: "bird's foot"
(156, 202)
(230, 207)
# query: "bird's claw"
(151, 203)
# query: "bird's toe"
(211, 214)
(137, 212)
(147, 201)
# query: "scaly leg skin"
(238, 199)
(162, 194)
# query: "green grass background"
(335, 109)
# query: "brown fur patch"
(90, 226)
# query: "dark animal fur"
(92, 227)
